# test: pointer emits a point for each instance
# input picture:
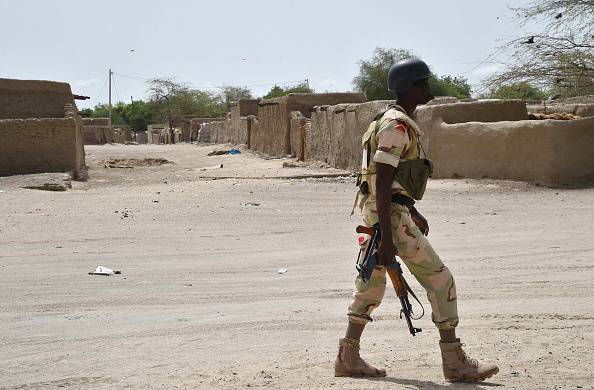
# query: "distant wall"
(300, 126)
(122, 134)
(248, 107)
(96, 131)
(336, 131)
(469, 139)
(22, 99)
(430, 117)
(230, 130)
(583, 110)
(41, 145)
(549, 152)
(141, 137)
(272, 135)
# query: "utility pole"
(110, 73)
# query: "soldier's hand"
(420, 221)
(386, 252)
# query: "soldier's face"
(422, 91)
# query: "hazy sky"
(257, 43)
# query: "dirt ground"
(200, 302)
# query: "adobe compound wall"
(483, 139)
(271, 132)
(233, 128)
(96, 131)
(22, 99)
(336, 131)
(549, 152)
(40, 129)
(41, 145)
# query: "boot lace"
(467, 358)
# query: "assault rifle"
(370, 261)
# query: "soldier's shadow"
(412, 383)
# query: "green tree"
(373, 77)
(558, 55)
(450, 86)
(521, 90)
(172, 101)
(233, 94)
(169, 99)
(373, 73)
(277, 91)
(86, 112)
(138, 115)
(102, 111)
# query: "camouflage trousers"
(422, 261)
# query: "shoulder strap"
(376, 119)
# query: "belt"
(404, 200)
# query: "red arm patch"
(401, 126)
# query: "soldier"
(391, 139)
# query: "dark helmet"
(405, 72)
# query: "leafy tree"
(559, 56)
(450, 86)
(208, 105)
(521, 90)
(86, 112)
(373, 73)
(233, 94)
(277, 91)
(138, 115)
(373, 77)
(102, 111)
(169, 99)
(172, 101)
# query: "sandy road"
(200, 304)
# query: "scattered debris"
(218, 152)
(213, 167)
(251, 204)
(50, 187)
(130, 143)
(293, 164)
(133, 162)
(282, 271)
(104, 271)
(560, 116)
(235, 151)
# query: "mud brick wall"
(96, 131)
(272, 135)
(248, 107)
(299, 128)
(22, 99)
(482, 139)
(336, 131)
(430, 117)
(549, 152)
(580, 109)
(41, 145)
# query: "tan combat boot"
(458, 367)
(349, 363)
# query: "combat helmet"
(405, 72)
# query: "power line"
(144, 79)
(137, 78)
(101, 90)
(115, 88)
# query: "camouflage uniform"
(399, 133)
